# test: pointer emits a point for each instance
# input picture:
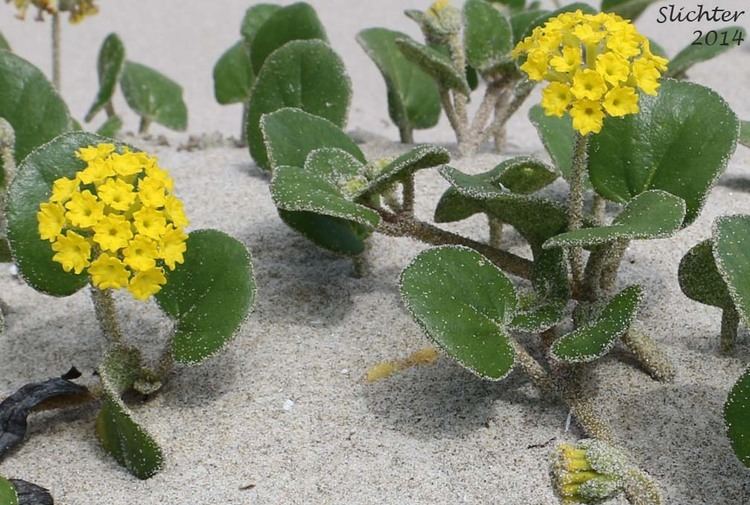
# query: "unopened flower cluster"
(595, 65)
(78, 9)
(117, 219)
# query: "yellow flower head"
(116, 220)
(78, 9)
(595, 65)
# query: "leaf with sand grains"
(154, 96)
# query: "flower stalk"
(575, 204)
(106, 315)
(56, 42)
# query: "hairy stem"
(575, 205)
(608, 277)
(475, 134)
(641, 488)
(450, 112)
(458, 56)
(243, 126)
(56, 81)
(592, 275)
(520, 93)
(7, 152)
(407, 195)
(651, 358)
(106, 314)
(496, 231)
(598, 207)
(730, 321)
(143, 127)
(498, 132)
(406, 133)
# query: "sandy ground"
(284, 411)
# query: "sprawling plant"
(86, 211)
(611, 124)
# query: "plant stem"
(243, 127)
(575, 205)
(608, 277)
(450, 112)
(598, 208)
(106, 314)
(109, 109)
(56, 81)
(406, 133)
(143, 127)
(475, 134)
(651, 358)
(458, 56)
(593, 272)
(641, 488)
(520, 93)
(407, 195)
(496, 231)
(730, 321)
(7, 152)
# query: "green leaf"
(5, 254)
(525, 175)
(540, 317)
(745, 133)
(737, 418)
(154, 96)
(595, 339)
(731, 237)
(110, 127)
(651, 215)
(406, 165)
(109, 66)
(233, 75)
(305, 74)
(290, 134)
(513, 5)
(699, 278)
(30, 104)
(255, 16)
(209, 295)
(464, 303)
(488, 37)
(294, 22)
(694, 54)
(434, 63)
(4, 46)
(520, 22)
(8, 495)
(666, 146)
(32, 186)
(629, 9)
(413, 96)
(118, 432)
(558, 137)
(333, 234)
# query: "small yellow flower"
(588, 84)
(646, 76)
(112, 233)
(92, 153)
(127, 163)
(150, 222)
(62, 189)
(172, 247)
(536, 65)
(108, 272)
(613, 68)
(174, 209)
(141, 253)
(117, 193)
(51, 218)
(556, 99)
(96, 171)
(569, 60)
(152, 192)
(621, 102)
(588, 34)
(147, 283)
(588, 116)
(72, 252)
(84, 209)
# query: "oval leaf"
(413, 96)
(434, 63)
(405, 166)
(233, 75)
(8, 495)
(525, 175)
(595, 339)
(650, 215)
(745, 133)
(291, 134)
(32, 186)
(109, 66)
(737, 418)
(702, 51)
(487, 36)
(154, 96)
(558, 136)
(464, 303)
(255, 16)
(305, 74)
(208, 296)
(298, 21)
(666, 146)
(699, 278)
(731, 238)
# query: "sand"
(283, 416)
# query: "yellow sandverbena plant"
(117, 219)
(594, 63)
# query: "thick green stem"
(575, 204)
(407, 195)
(56, 81)
(592, 275)
(648, 354)
(458, 56)
(730, 321)
(143, 127)
(598, 207)
(106, 314)
(109, 109)
(406, 133)
(608, 278)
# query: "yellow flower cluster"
(117, 219)
(594, 64)
(78, 9)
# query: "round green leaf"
(109, 66)
(696, 53)
(595, 339)
(434, 63)
(30, 104)
(208, 296)
(558, 137)
(488, 36)
(154, 96)
(737, 418)
(291, 134)
(666, 146)
(32, 186)
(525, 175)
(539, 318)
(8, 495)
(464, 303)
(406, 165)
(650, 215)
(333, 234)
(233, 75)
(731, 238)
(254, 18)
(629, 9)
(699, 278)
(413, 96)
(305, 74)
(298, 21)
(745, 133)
